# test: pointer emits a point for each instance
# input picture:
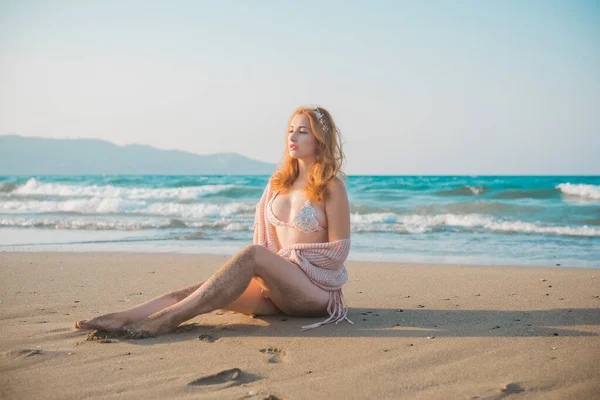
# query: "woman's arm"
(338, 211)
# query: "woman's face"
(301, 142)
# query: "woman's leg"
(116, 321)
(251, 302)
(284, 282)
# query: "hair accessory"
(320, 116)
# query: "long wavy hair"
(329, 157)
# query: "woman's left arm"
(338, 211)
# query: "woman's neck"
(304, 167)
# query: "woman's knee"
(246, 257)
(258, 253)
(252, 251)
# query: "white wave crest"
(373, 218)
(85, 224)
(237, 226)
(120, 225)
(388, 222)
(33, 187)
(581, 190)
(100, 205)
(475, 190)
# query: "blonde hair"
(328, 156)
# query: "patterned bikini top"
(305, 220)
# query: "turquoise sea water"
(490, 220)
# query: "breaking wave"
(390, 222)
(33, 187)
(580, 190)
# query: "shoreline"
(420, 331)
(190, 254)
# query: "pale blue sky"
(435, 87)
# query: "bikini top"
(305, 220)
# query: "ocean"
(464, 220)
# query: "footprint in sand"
(229, 375)
(275, 354)
(232, 377)
(29, 353)
(501, 393)
(512, 388)
(32, 355)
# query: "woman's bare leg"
(225, 286)
(116, 321)
(250, 302)
(289, 289)
(253, 302)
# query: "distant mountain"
(38, 156)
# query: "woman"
(295, 267)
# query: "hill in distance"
(40, 156)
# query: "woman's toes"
(81, 325)
(109, 323)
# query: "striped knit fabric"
(323, 263)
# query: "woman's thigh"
(288, 286)
(253, 302)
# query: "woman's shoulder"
(336, 189)
(336, 184)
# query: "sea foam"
(121, 224)
(34, 187)
(581, 190)
(100, 205)
(389, 222)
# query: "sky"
(416, 88)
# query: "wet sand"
(421, 331)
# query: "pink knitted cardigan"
(323, 263)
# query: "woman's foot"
(150, 327)
(108, 322)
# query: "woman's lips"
(293, 147)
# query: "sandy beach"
(421, 331)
